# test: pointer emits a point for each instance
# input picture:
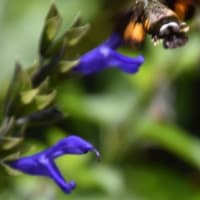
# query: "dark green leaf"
(66, 66)
(10, 142)
(28, 96)
(76, 21)
(50, 30)
(13, 90)
(42, 101)
(75, 34)
(6, 127)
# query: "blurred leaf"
(110, 179)
(65, 66)
(50, 30)
(11, 142)
(42, 101)
(8, 169)
(44, 86)
(25, 79)
(12, 156)
(16, 84)
(7, 125)
(75, 34)
(160, 183)
(173, 139)
(76, 21)
(28, 96)
(70, 38)
(11, 171)
(42, 117)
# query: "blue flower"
(43, 164)
(105, 56)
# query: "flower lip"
(43, 164)
(72, 185)
(105, 56)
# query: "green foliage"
(30, 95)
(125, 116)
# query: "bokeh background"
(146, 126)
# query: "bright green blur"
(146, 126)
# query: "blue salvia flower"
(43, 164)
(105, 55)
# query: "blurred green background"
(146, 126)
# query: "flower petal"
(42, 163)
(54, 174)
(105, 56)
(126, 64)
(70, 145)
(114, 41)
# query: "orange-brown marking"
(180, 9)
(134, 32)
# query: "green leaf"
(66, 66)
(75, 34)
(70, 38)
(44, 86)
(76, 21)
(50, 30)
(11, 142)
(25, 79)
(6, 127)
(160, 182)
(28, 96)
(42, 101)
(43, 117)
(13, 90)
(12, 156)
(11, 171)
(53, 25)
(173, 139)
(8, 169)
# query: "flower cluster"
(102, 57)
(42, 163)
